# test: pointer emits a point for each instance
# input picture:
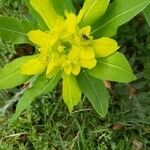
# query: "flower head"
(67, 47)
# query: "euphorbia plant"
(73, 46)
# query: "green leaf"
(71, 91)
(45, 10)
(114, 68)
(118, 13)
(14, 30)
(51, 10)
(95, 91)
(92, 10)
(10, 75)
(147, 14)
(60, 6)
(35, 17)
(42, 85)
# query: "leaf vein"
(13, 31)
(9, 76)
(91, 83)
(115, 67)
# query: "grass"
(47, 124)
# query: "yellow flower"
(68, 48)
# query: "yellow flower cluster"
(67, 47)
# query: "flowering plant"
(73, 46)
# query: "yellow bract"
(55, 64)
(34, 66)
(104, 46)
(68, 48)
(46, 11)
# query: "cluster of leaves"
(114, 68)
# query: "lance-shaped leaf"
(10, 75)
(14, 30)
(147, 14)
(71, 91)
(42, 85)
(92, 10)
(118, 13)
(35, 17)
(95, 91)
(51, 10)
(114, 68)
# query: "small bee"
(85, 37)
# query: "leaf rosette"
(68, 49)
